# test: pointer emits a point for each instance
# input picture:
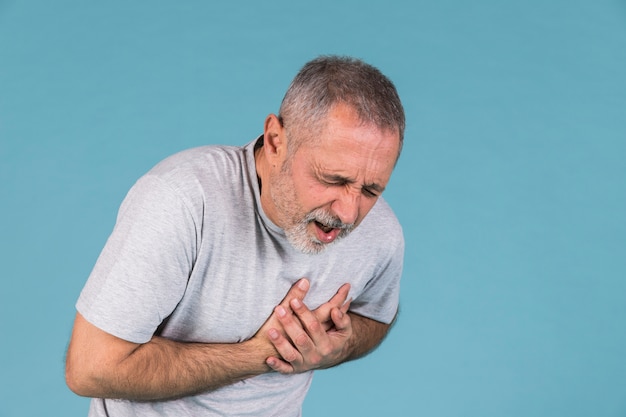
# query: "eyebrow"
(375, 187)
(341, 179)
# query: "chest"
(238, 279)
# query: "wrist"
(255, 352)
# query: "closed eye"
(335, 181)
(369, 193)
(368, 190)
(372, 190)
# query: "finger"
(346, 306)
(338, 300)
(294, 330)
(328, 325)
(298, 290)
(279, 365)
(313, 327)
(340, 296)
(341, 320)
(285, 349)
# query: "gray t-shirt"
(194, 258)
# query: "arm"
(367, 334)
(309, 345)
(104, 366)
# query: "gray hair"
(330, 80)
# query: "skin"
(342, 174)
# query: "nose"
(346, 206)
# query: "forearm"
(367, 334)
(163, 369)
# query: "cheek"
(316, 195)
(308, 193)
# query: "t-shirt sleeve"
(380, 297)
(142, 272)
(383, 241)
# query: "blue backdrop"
(511, 188)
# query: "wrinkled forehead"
(363, 155)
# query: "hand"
(311, 339)
(323, 312)
(297, 292)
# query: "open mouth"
(325, 233)
(325, 229)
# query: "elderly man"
(182, 314)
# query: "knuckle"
(315, 360)
(285, 370)
(302, 340)
(314, 326)
(326, 350)
(290, 357)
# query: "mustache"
(323, 217)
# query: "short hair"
(330, 80)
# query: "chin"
(307, 244)
(311, 248)
(303, 238)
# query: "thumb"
(341, 319)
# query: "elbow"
(92, 360)
(75, 379)
(79, 379)
(75, 385)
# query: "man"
(182, 314)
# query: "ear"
(274, 140)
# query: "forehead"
(345, 145)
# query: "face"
(325, 189)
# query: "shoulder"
(195, 177)
(206, 169)
(200, 161)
